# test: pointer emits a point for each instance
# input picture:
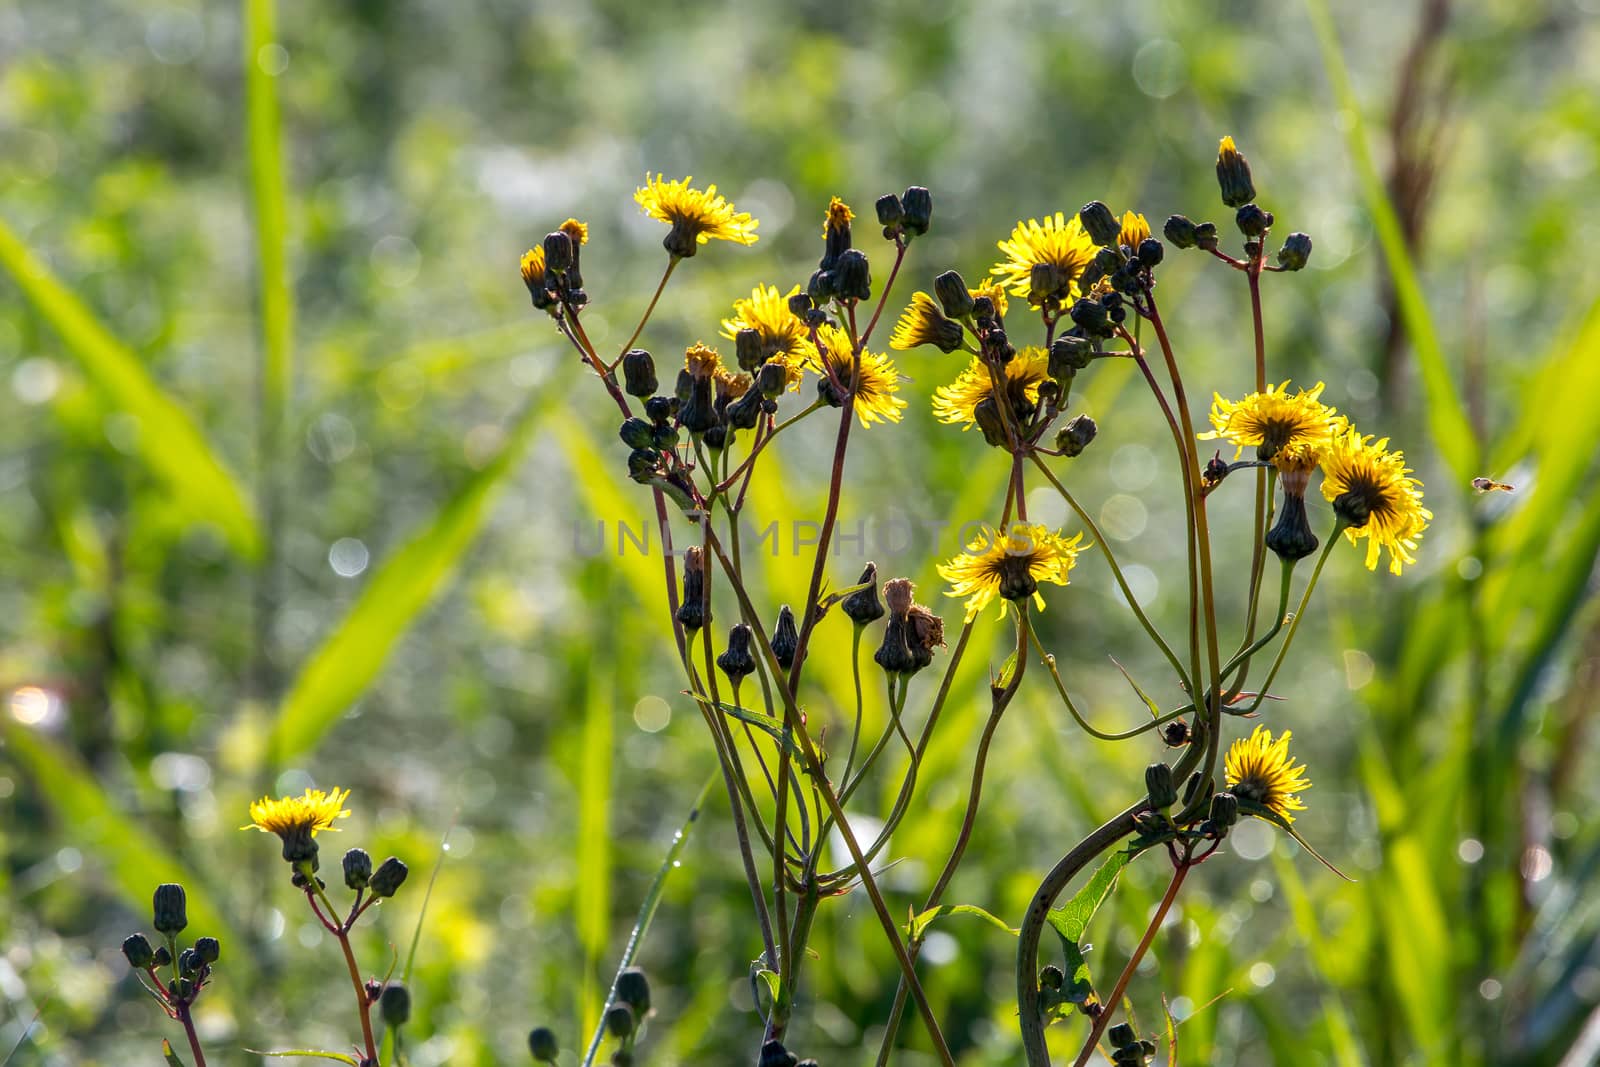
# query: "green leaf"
(170, 1056)
(275, 296)
(308, 1053)
(593, 888)
(169, 442)
(1447, 416)
(103, 830)
(347, 662)
(920, 922)
(774, 983)
(1155, 709)
(771, 727)
(1072, 919)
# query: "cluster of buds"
(551, 271)
(773, 1054)
(624, 1021)
(190, 967)
(1239, 192)
(1127, 1049)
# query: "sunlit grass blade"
(275, 296)
(1447, 417)
(593, 904)
(169, 442)
(103, 831)
(346, 663)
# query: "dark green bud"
(692, 613)
(644, 464)
(1121, 1036)
(744, 413)
(639, 373)
(772, 379)
(619, 1021)
(1224, 810)
(1233, 175)
(209, 949)
(1191, 787)
(357, 864)
(1253, 222)
(736, 661)
(953, 294)
(621, 1057)
(171, 909)
(664, 438)
(1150, 252)
(785, 638)
(1129, 1056)
(633, 988)
(1052, 977)
(542, 1043)
(1205, 236)
(1068, 356)
(136, 947)
(1090, 316)
(188, 963)
(747, 347)
(890, 212)
(1291, 538)
(986, 413)
(163, 957)
(661, 408)
(185, 988)
(558, 255)
(389, 876)
(799, 304)
(773, 1054)
(395, 1005)
(1176, 733)
(1158, 781)
(1045, 282)
(638, 433)
(1102, 226)
(854, 275)
(1076, 435)
(863, 606)
(718, 437)
(918, 204)
(1107, 260)
(1295, 251)
(1049, 393)
(1180, 231)
(821, 287)
(983, 308)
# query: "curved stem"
(1050, 665)
(672, 264)
(181, 1009)
(1294, 624)
(363, 1005)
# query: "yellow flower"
(1059, 243)
(296, 820)
(1134, 230)
(1011, 566)
(924, 323)
(1260, 773)
(533, 268)
(696, 216)
(578, 231)
(1372, 489)
(875, 399)
(783, 335)
(958, 401)
(838, 218)
(1292, 431)
(996, 292)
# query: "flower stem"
(672, 264)
(181, 1008)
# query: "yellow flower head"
(1292, 431)
(1372, 489)
(1260, 772)
(1011, 565)
(1059, 243)
(702, 361)
(533, 268)
(696, 216)
(296, 820)
(875, 399)
(1134, 230)
(924, 323)
(578, 231)
(958, 402)
(783, 336)
(838, 218)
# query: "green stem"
(672, 264)
(1294, 625)
(1050, 665)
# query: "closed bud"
(983, 308)
(799, 304)
(163, 957)
(1233, 175)
(821, 287)
(954, 296)
(542, 1043)
(718, 437)
(357, 864)
(1045, 282)
(918, 204)
(863, 605)
(1090, 316)
(1068, 356)
(772, 379)
(639, 373)
(745, 412)
(1076, 435)
(661, 408)
(854, 275)
(171, 909)
(1224, 810)
(785, 638)
(136, 947)
(1150, 252)
(1252, 221)
(619, 1021)
(1205, 236)
(1291, 538)
(1158, 781)
(1295, 251)
(1121, 1036)
(747, 347)
(389, 876)
(1102, 226)
(1180, 231)
(736, 661)
(633, 988)
(1176, 733)
(644, 465)
(1191, 787)
(986, 414)
(773, 1054)
(185, 988)
(890, 212)
(395, 1005)
(637, 433)
(1051, 977)
(558, 253)
(209, 949)
(692, 611)
(188, 963)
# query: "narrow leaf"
(308, 1053)
(1072, 919)
(170, 1056)
(275, 297)
(919, 923)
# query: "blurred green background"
(295, 488)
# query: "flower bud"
(633, 989)
(558, 254)
(1158, 782)
(692, 610)
(136, 947)
(863, 606)
(773, 1054)
(395, 1005)
(986, 414)
(747, 348)
(171, 909)
(358, 865)
(736, 661)
(542, 1043)
(619, 1021)
(388, 877)
(209, 949)
(1295, 251)
(1051, 977)
(799, 304)
(1068, 356)
(954, 296)
(1103, 227)
(890, 212)
(637, 433)
(772, 379)
(1205, 236)
(785, 638)
(918, 204)
(1121, 1036)
(1176, 733)
(1180, 231)
(1090, 316)
(163, 957)
(854, 275)
(1233, 175)
(1075, 436)
(188, 963)
(1291, 538)
(1150, 252)
(1224, 810)
(1253, 222)
(639, 373)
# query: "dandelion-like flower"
(1135, 230)
(958, 402)
(1260, 772)
(1009, 565)
(297, 820)
(1372, 490)
(924, 323)
(1058, 243)
(875, 397)
(696, 216)
(1292, 431)
(783, 335)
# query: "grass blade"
(169, 443)
(346, 663)
(268, 202)
(593, 909)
